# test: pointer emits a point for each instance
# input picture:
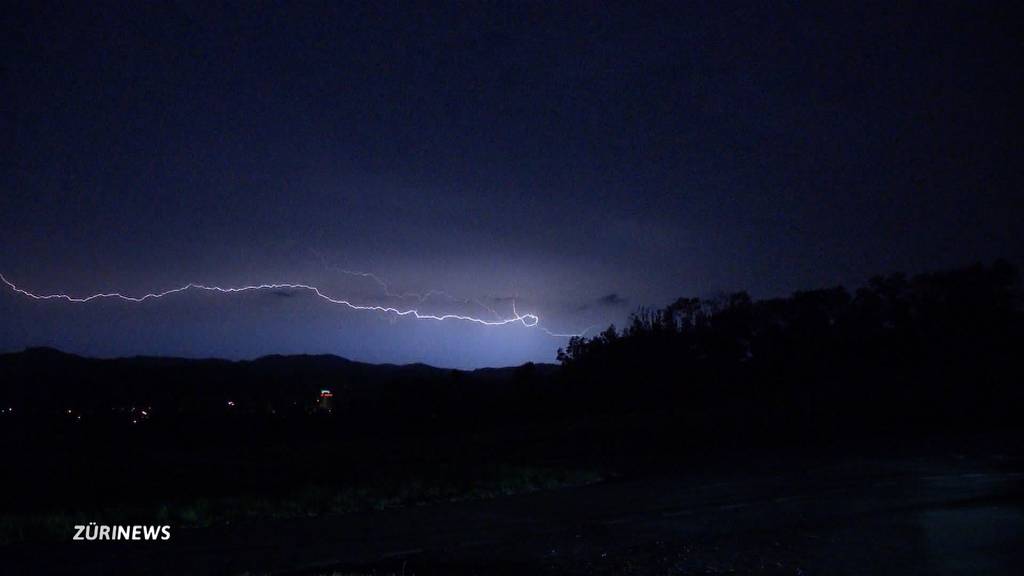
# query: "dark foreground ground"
(943, 514)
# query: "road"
(949, 515)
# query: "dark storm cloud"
(612, 299)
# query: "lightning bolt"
(385, 287)
(528, 320)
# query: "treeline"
(935, 352)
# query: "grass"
(309, 500)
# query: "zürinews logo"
(92, 532)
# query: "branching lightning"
(528, 320)
(385, 287)
(419, 297)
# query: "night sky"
(579, 161)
